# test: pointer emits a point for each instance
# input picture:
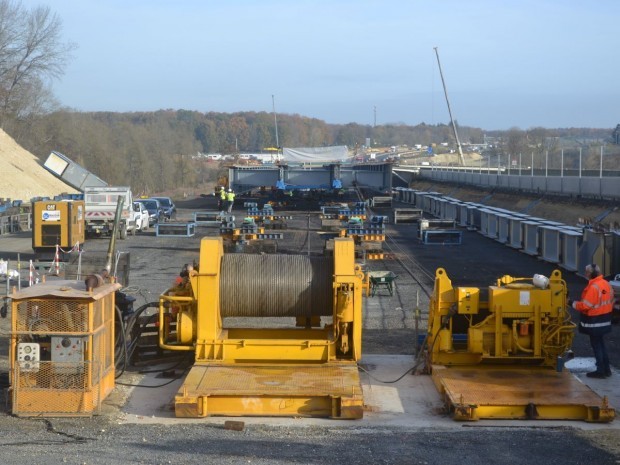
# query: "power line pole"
(456, 134)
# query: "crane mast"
(456, 134)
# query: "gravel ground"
(86, 441)
(155, 261)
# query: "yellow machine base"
(473, 393)
(327, 390)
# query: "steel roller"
(276, 286)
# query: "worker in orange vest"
(595, 307)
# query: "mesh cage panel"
(99, 311)
(74, 342)
(40, 317)
(56, 388)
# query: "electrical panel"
(468, 299)
(68, 354)
(28, 356)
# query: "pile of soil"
(23, 176)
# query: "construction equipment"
(381, 279)
(500, 356)
(62, 348)
(266, 217)
(296, 368)
(57, 225)
(249, 231)
(456, 134)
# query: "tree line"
(154, 151)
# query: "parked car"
(168, 206)
(156, 212)
(141, 216)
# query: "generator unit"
(62, 348)
(57, 224)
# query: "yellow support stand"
(497, 358)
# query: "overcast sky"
(506, 63)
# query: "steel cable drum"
(276, 286)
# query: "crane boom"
(456, 134)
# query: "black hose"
(130, 325)
(123, 343)
(123, 351)
(409, 370)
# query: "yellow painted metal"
(57, 223)
(468, 299)
(497, 358)
(499, 392)
(67, 380)
(519, 322)
(303, 357)
(325, 390)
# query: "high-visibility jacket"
(596, 305)
(230, 196)
(222, 194)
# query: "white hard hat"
(540, 281)
(229, 190)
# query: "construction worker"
(230, 198)
(595, 306)
(222, 201)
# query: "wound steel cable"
(276, 285)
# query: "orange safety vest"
(596, 304)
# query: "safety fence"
(567, 183)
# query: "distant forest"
(152, 151)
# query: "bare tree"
(516, 141)
(31, 56)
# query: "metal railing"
(10, 224)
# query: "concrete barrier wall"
(611, 187)
(594, 187)
(570, 185)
